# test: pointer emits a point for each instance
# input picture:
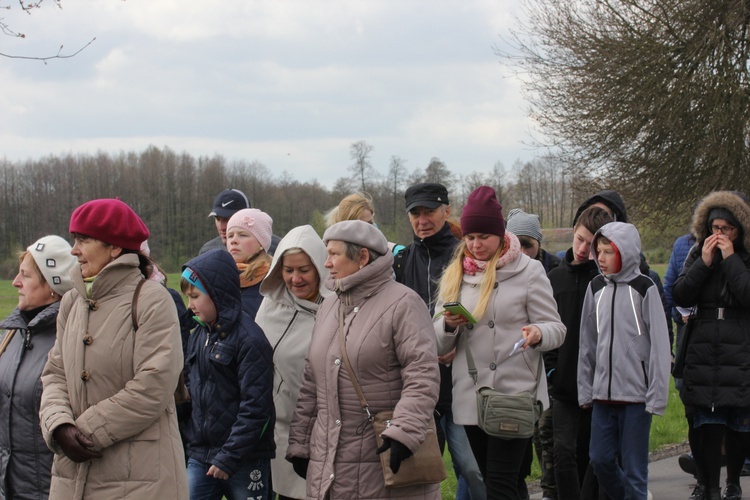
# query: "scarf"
(510, 251)
(258, 275)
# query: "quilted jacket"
(229, 373)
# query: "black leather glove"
(399, 452)
(299, 465)
(74, 444)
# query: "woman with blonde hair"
(511, 298)
(249, 234)
(356, 206)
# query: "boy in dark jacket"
(623, 364)
(571, 424)
(229, 373)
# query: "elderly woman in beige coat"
(292, 293)
(107, 407)
(393, 354)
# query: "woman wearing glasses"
(716, 281)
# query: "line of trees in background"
(173, 193)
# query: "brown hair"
(22, 255)
(593, 218)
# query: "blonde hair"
(449, 288)
(254, 263)
(350, 208)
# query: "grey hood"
(307, 239)
(628, 242)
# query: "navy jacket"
(229, 372)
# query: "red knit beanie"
(110, 221)
(483, 213)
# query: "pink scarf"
(510, 251)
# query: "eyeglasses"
(722, 229)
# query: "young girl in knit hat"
(511, 299)
(249, 234)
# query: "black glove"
(399, 452)
(299, 465)
(74, 444)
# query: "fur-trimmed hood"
(736, 203)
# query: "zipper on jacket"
(429, 278)
(288, 326)
(202, 369)
(611, 339)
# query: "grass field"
(669, 429)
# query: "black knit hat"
(722, 213)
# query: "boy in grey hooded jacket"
(624, 360)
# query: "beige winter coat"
(288, 324)
(392, 350)
(117, 387)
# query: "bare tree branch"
(44, 59)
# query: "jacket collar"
(15, 320)
(441, 241)
(583, 267)
(356, 287)
(108, 278)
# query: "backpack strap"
(398, 265)
(134, 308)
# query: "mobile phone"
(457, 308)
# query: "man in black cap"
(419, 266)
(226, 204)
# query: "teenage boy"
(571, 424)
(229, 373)
(623, 364)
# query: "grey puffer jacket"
(393, 354)
(624, 354)
(25, 460)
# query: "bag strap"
(348, 365)
(6, 340)
(134, 307)
(473, 368)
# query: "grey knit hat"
(358, 232)
(522, 224)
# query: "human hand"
(217, 473)
(299, 465)
(709, 246)
(454, 320)
(532, 334)
(399, 453)
(447, 359)
(74, 444)
(725, 245)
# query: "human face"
(33, 292)
(530, 247)
(338, 263)
(725, 228)
(427, 221)
(300, 275)
(201, 305)
(582, 239)
(242, 244)
(367, 216)
(482, 246)
(607, 257)
(221, 227)
(93, 254)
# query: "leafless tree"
(648, 96)
(361, 168)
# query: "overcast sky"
(288, 83)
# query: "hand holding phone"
(460, 310)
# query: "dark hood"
(610, 198)
(219, 275)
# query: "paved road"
(666, 481)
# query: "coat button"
(338, 422)
(469, 326)
(218, 356)
(496, 284)
(337, 362)
(491, 324)
(331, 477)
(85, 375)
(493, 366)
(87, 340)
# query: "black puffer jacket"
(718, 356)
(25, 460)
(229, 372)
(569, 284)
